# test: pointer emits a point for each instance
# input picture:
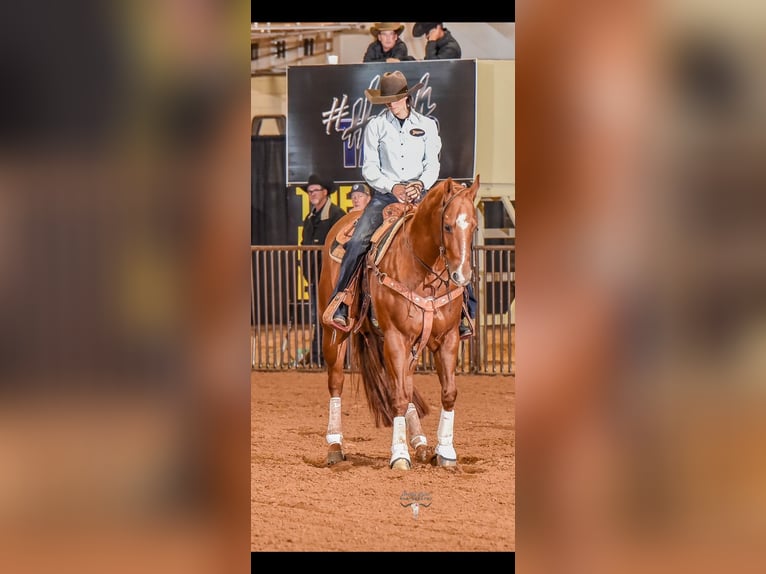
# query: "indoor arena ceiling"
(275, 45)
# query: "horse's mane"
(438, 191)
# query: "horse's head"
(458, 224)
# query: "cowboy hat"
(421, 28)
(316, 179)
(385, 26)
(393, 87)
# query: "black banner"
(327, 112)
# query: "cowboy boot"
(341, 315)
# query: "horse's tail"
(367, 358)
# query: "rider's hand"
(413, 192)
(400, 191)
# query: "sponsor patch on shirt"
(417, 132)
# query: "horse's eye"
(447, 228)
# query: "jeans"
(357, 246)
(470, 299)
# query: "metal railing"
(282, 330)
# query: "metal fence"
(282, 330)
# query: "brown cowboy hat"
(393, 87)
(397, 27)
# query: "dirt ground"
(298, 503)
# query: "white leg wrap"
(414, 429)
(444, 435)
(334, 434)
(399, 440)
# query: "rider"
(401, 161)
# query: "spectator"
(441, 44)
(322, 216)
(387, 46)
(360, 196)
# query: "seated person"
(360, 196)
(387, 46)
(441, 44)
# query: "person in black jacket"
(322, 216)
(388, 46)
(441, 44)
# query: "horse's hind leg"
(334, 354)
(415, 432)
(334, 434)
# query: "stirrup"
(465, 329)
(340, 318)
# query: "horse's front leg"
(446, 362)
(334, 354)
(397, 358)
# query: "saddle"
(394, 216)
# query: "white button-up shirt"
(395, 153)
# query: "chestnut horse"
(409, 297)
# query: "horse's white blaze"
(399, 440)
(417, 437)
(459, 277)
(334, 433)
(444, 435)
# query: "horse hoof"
(335, 455)
(401, 464)
(448, 462)
(421, 454)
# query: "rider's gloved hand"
(400, 191)
(414, 190)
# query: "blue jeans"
(470, 298)
(359, 244)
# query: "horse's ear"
(474, 187)
(448, 186)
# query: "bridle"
(445, 204)
(442, 248)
